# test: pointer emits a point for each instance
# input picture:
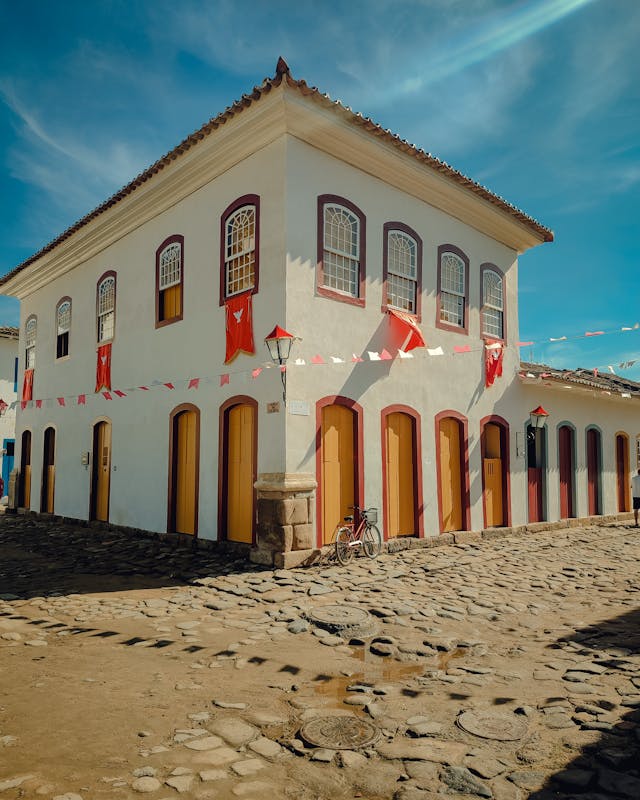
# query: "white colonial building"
(289, 209)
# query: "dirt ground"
(131, 668)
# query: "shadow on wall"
(610, 766)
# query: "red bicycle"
(348, 538)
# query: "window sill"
(331, 294)
(445, 326)
(164, 322)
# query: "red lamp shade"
(279, 344)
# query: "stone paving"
(505, 669)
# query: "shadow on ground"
(42, 557)
(610, 767)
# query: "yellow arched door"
(101, 471)
(338, 467)
(185, 472)
(241, 470)
(492, 476)
(400, 468)
(451, 474)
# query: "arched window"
(453, 289)
(341, 250)
(63, 327)
(492, 305)
(30, 331)
(240, 247)
(169, 280)
(106, 303)
(402, 268)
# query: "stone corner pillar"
(285, 523)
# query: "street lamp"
(537, 417)
(279, 344)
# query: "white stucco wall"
(192, 347)
(8, 355)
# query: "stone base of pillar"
(286, 503)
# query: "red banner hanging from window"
(409, 328)
(493, 354)
(103, 367)
(27, 386)
(239, 326)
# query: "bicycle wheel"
(344, 553)
(371, 541)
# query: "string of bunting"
(223, 379)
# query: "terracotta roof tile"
(283, 73)
(604, 381)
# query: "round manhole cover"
(486, 725)
(339, 733)
(344, 620)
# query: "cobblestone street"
(507, 668)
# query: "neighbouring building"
(148, 398)
(8, 394)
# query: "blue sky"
(537, 100)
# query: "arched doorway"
(622, 471)
(338, 465)
(101, 471)
(48, 471)
(594, 461)
(566, 470)
(494, 447)
(402, 467)
(536, 472)
(238, 469)
(184, 464)
(453, 482)
(25, 471)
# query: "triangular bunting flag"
(465, 348)
(194, 383)
(435, 351)
(38, 403)
(82, 399)
(558, 339)
(120, 393)
(300, 362)
(255, 372)
(107, 395)
(594, 333)
(143, 388)
(169, 385)
(60, 401)
(385, 355)
(337, 360)
(356, 359)
(402, 354)
(373, 355)
(224, 379)
(525, 344)
(318, 360)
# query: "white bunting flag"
(299, 362)
(337, 360)
(402, 354)
(435, 351)
(373, 356)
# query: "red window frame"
(446, 326)
(321, 289)
(245, 200)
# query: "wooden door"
(101, 471)
(48, 471)
(593, 471)
(25, 471)
(493, 478)
(400, 473)
(451, 483)
(241, 471)
(622, 472)
(566, 470)
(185, 472)
(338, 467)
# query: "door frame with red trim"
(623, 478)
(358, 449)
(538, 471)
(418, 503)
(570, 469)
(464, 466)
(594, 470)
(503, 425)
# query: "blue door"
(8, 446)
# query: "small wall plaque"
(300, 407)
(273, 408)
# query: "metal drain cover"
(339, 733)
(486, 725)
(344, 620)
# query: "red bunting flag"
(465, 348)
(143, 388)
(27, 386)
(38, 403)
(224, 379)
(107, 395)
(408, 327)
(82, 399)
(194, 383)
(3, 406)
(23, 404)
(169, 385)
(493, 362)
(255, 372)
(594, 333)
(356, 359)
(239, 326)
(60, 401)
(119, 393)
(103, 368)
(317, 360)
(525, 344)
(385, 355)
